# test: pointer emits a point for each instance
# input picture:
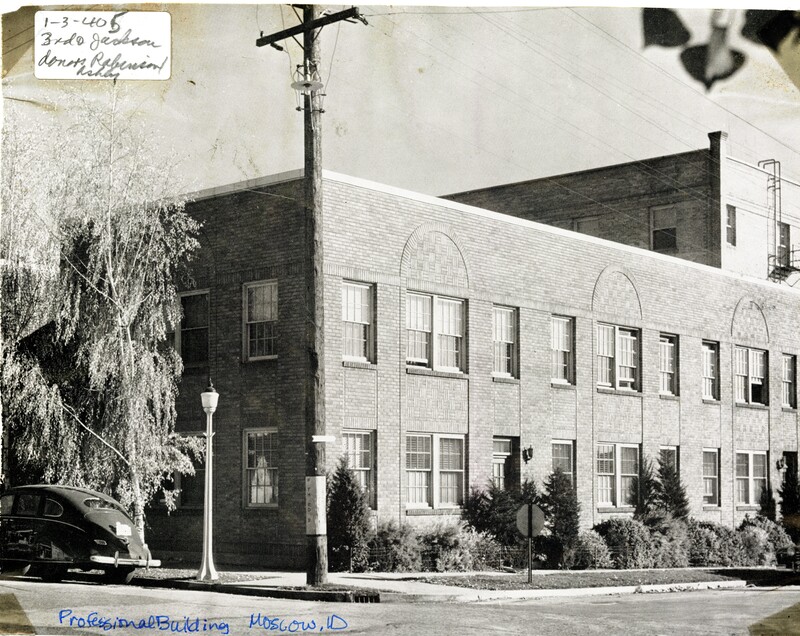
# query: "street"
(85, 608)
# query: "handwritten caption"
(194, 625)
(125, 45)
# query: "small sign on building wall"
(315, 506)
(125, 45)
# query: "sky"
(436, 99)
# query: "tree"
(562, 515)
(348, 520)
(790, 502)
(671, 492)
(122, 240)
(646, 495)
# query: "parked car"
(49, 529)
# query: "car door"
(21, 539)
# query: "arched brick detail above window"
(615, 293)
(434, 253)
(749, 324)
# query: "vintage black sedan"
(48, 529)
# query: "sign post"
(530, 521)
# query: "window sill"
(789, 409)
(562, 385)
(259, 507)
(711, 401)
(432, 512)
(609, 390)
(434, 373)
(711, 507)
(608, 509)
(262, 359)
(757, 407)
(357, 364)
(502, 379)
(669, 396)
(747, 508)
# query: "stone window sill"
(747, 508)
(614, 509)
(610, 391)
(436, 374)
(669, 396)
(562, 385)
(755, 407)
(501, 379)
(356, 364)
(710, 507)
(432, 512)
(711, 401)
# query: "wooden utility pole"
(316, 531)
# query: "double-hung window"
(562, 349)
(564, 458)
(730, 226)
(434, 470)
(710, 355)
(750, 368)
(191, 340)
(357, 322)
(504, 340)
(784, 245)
(261, 467)
(751, 476)
(665, 228)
(789, 383)
(711, 476)
(617, 472)
(359, 448)
(668, 456)
(435, 332)
(501, 461)
(617, 357)
(668, 364)
(260, 320)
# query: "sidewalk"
(402, 587)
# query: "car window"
(28, 504)
(95, 503)
(52, 508)
(6, 501)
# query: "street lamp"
(207, 572)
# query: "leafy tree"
(790, 503)
(104, 417)
(348, 520)
(562, 515)
(671, 491)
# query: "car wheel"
(119, 575)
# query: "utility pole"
(316, 531)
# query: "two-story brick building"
(455, 339)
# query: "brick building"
(458, 340)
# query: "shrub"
(495, 510)
(777, 537)
(395, 548)
(591, 552)
(767, 505)
(790, 502)
(671, 543)
(348, 520)
(704, 547)
(448, 546)
(645, 494)
(630, 542)
(562, 518)
(756, 549)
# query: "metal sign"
(530, 520)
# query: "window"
(501, 462)
(711, 476)
(52, 508)
(784, 250)
(665, 231)
(261, 467)
(438, 342)
(710, 370)
(618, 357)
(6, 503)
(261, 319)
(789, 384)
(191, 340)
(589, 225)
(751, 375)
(668, 364)
(28, 504)
(561, 345)
(751, 476)
(435, 470)
(504, 338)
(730, 226)
(564, 458)
(668, 456)
(358, 447)
(357, 322)
(617, 472)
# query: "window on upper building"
(665, 230)
(668, 364)
(710, 360)
(618, 357)
(357, 322)
(260, 320)
(435, 470)
(711, 476)
(564, 458)
(435, 331)
(588, 225)
(750, 375)
(359, 448)
(504, 339)
(784, 245)
(751, 476)
(617, 474)
(730, 226)
(501, 462)
(191, 340)
(562, 338)
(789, 383)
(261, 467)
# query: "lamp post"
(207, 572)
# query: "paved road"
(33, 605)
